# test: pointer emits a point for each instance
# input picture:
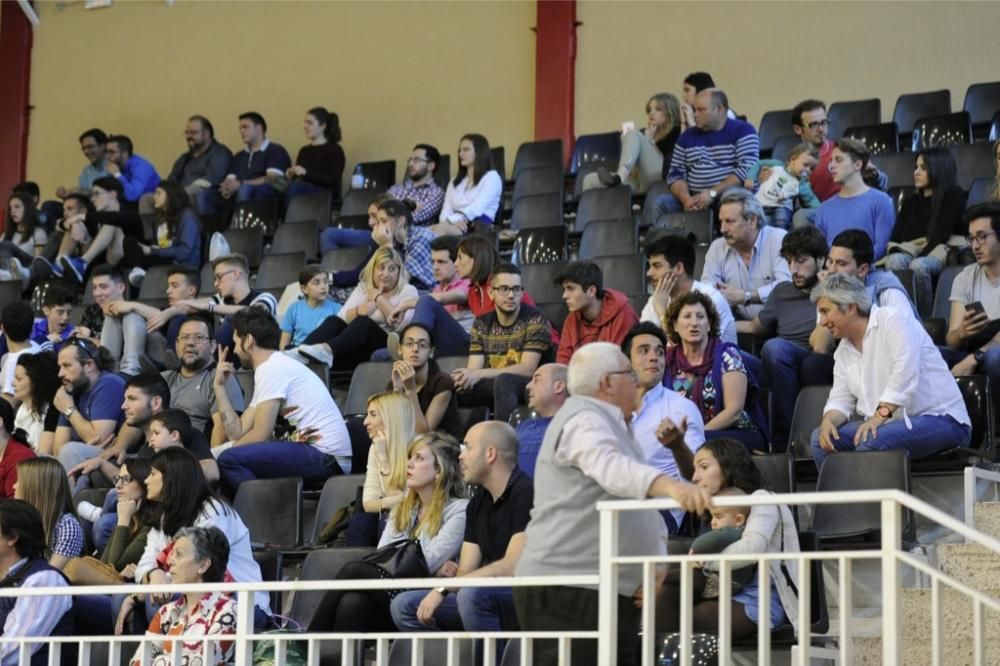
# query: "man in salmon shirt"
(595, 313)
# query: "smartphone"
(976, 307)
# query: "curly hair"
(690, 298)
(737, 465)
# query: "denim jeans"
(211, 202)
(125, 338)
(779, 216)
(924, 269)
(787, 368)
(275, 460)
(450, 339)
(297, 187)
(668, 203)
(105, 525)
(929, 435)
(333, 238)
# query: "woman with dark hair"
(320, 163)
(13, 449)
(36, 380)
(474, 194)
(720, 464)
(178, 239)
(177, 484)
(199, 555)
(927, 219)
(709, 371)
(395, 221)
(694, 83)
(24, 238)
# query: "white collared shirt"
(767, 268)
(898, 365)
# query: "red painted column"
(15, 72)
(555, 72)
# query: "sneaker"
(74, 266)
(135, 277)
(88, 511)
(293, 353)
(392, 344)
(607, 178)
(43, 269)
(319, 353)
(17, 269)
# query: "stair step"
(957, 652)
(956, 615)
(986, 517)
(970, 563)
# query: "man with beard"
(191, 388)
(204, 165)
(420, 186)
(89, 400)
(789, 358)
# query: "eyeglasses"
(818, 123)
(219, 276)
(417, 159)
(195, 338)
(410, 343)
(504, 290)
(124, 479)
(979, 239)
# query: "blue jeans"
(929, 435)
(333, 238)
(787, 368)
(104, 527)
(450, 339)
(668, 203)
(924, 269)
(297, 187)
(779, 216)
(275, 460)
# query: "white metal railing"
(973, 475)
(890, 554)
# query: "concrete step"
(956, 615)
(972, 564)
(987, 518)
(957, 652)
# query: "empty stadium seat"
(555, 311)
(368, 379)
(972, 161)
(696, 225)
(538, 180)
(540, 245)
(379, 176)
(980, 191)
(356, 202)
(852, 114)
(533, 154)
(602, 148)
(277, 271)
(977, 394)
(606, 238)
(982, 100)
(783, 145)
(539, 281)
(153, 291)
(774, 124)
(897, 168)
(540, 210)
(344, 258)
(912, 106)
(297, 237)
(261, 214)
(626, 273)
(249, 242)
(603, 203)
(311, 206)
(272, 511)
(947, 130)
(882, 139)
(899, 195)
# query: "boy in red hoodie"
(595, 313)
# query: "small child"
(311, 310)
(50, 331)
(727, 528)
(778, 191)
(172, 427)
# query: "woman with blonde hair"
(432, 512)
(349, 337)
(391, 425)
(646, 153)
(42, 483)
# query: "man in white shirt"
(746, 263)
(887, 370)
(16, 320)
(667, 426)
(671, 265)
(316, 445)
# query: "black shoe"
(607, 178)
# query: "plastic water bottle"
(358, 179)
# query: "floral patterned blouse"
(214, 614)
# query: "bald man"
(546, 394)
(494, 538)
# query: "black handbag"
(400, 559)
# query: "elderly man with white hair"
(886, 370)
(589, 455)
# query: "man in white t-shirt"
(316, 444)
(17, 321)
(671, 265)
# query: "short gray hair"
(209, 543)
(842, 290)
(590, 364)
(747, 201)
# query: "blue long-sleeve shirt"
(871, 212)
(703, 159)
(186, 245)
(138, 177)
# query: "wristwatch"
(747, 297)
(68, 412)
(979, 355)
(712, 194)
(884, 412)
(443, 591)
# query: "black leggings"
(705, 619)
(354, 611)
(351, 344)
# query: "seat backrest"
(920, 105)
(806, 417)
(772, 125)
(696, 225)
(555, 311)
(313, 206)
(538, 180)
(356, 202)
(338, 491)
(607, 238)
(262, 213)
(369, 378)
(443, 172)
(980, 191)
(972, 161)
(882, 139)
(498, 155)
(602, 203)
(900, 194)
(297, 237)
(650, 210)
(947, 130)
(908, 279)
(271, 510)
(603, 148)
(277, 271)
(379, 176)
(977, 393)
(778, 470)
(358, 222)
(344, 258)
(539, 281)
(858, 470)
(539, 210)
(448, 363)
(848, 114)
(626, 273)
(323, 564)
(532, 154)
(981, 101)
(249, 242)
(522, 413)
(783, 145)
(898, 168)
(207, 280)
(470, 416)
(540, 245)
(942, 296)
(154, 284)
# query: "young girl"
(23, 238)
(306, 314)
(785, 182)
(178, 240)
(361, 327)
(42, 482)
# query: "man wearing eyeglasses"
(974, 324)
(420, 186)
(505, 348)
(205, 163)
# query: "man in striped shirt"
(715, 154)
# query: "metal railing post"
(607, 618)
(891, 525)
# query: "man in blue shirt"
(546, 394)
(134, 172)
(856, 206)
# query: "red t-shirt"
(14, 453)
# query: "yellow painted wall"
(396, 72)
(770, 55)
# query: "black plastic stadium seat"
(538, 180)
(602, 148)
(262, 214)
(607, 238)
(272, 510)
(898, 168)
(912, 106)
(882, 139)
(783, 145)
(277, 271)
(982, 101)
(852, 114)
(540, 210)
(774, 124)
(356, 202)
(249, 242)
(696, 225)
(626, 273)
(379, 176)
(344, 258)
(311, 206)
(947, 130)
(603, 203)
(539, 281)
(980, 191)
(972, 161)
(533, 154)
(900, 194)
(540, 245)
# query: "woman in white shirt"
(391, 424)
(888, 371)
(36, 381)
(24, 237)
(474, 194)
(351, 336)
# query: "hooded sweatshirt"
(617, 317)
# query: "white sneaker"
(88, 511)
(320, 353)
(136, 276)
(18, 271)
